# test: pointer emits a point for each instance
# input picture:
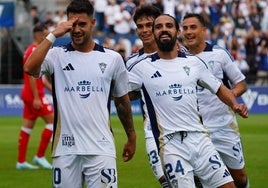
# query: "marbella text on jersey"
(84, 87)
(175, 89)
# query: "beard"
(166, 45)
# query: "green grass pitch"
(134, 174)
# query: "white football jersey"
(136, 57)
(170, 91)
(82, 87)
(214, 112)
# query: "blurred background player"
(143, 18)
(35, 105)
(219, 119)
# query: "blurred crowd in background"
(241, 26)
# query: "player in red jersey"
(35, 105)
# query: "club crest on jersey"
(84, 88)
(186, 69)
(102, 66)
(211, 64)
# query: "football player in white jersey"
(219, 119)
(168, 81)
(84, 75)
(143, 18)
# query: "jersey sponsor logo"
(84, 88)
(108, 176)
(68, 140)
(216, 162)
(156, 75)
(69, 67)
(176, 91)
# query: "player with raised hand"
(84, 75)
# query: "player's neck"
(168, 55)
(150, 48)
(84, 48)
(197, 49)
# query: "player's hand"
(37, 104)
(241, 109)
(129, 148)
(64, 27)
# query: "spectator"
(216, 35)
(34, 15)
(108, 43)
(215, 13)
(159, 4)
(48, 21)
(203, 9)
(139, 3)
(251, 52)
(264, 23)
(123, 47)
(242, 64)
(169, 7)
(227, 25)
(233, 47)
(60, 16)
(111, 10)
(241, 24)
(255, 18)
(122, 22)
(183, 8)
(130, 7)
(262, 74)
(100, 6)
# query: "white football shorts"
(73, 171)
(154, 159)
(228, 143)
(192, 153)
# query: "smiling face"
(165, 33)
(193, 33)
(144, 30)
(81, 32)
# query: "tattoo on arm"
(123, 107)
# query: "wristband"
(50, 37)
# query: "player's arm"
(228, 98)
(123, 107)
(134, 95)
(46, 82)
(239, 88)
(37, 103)
(33, 63)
